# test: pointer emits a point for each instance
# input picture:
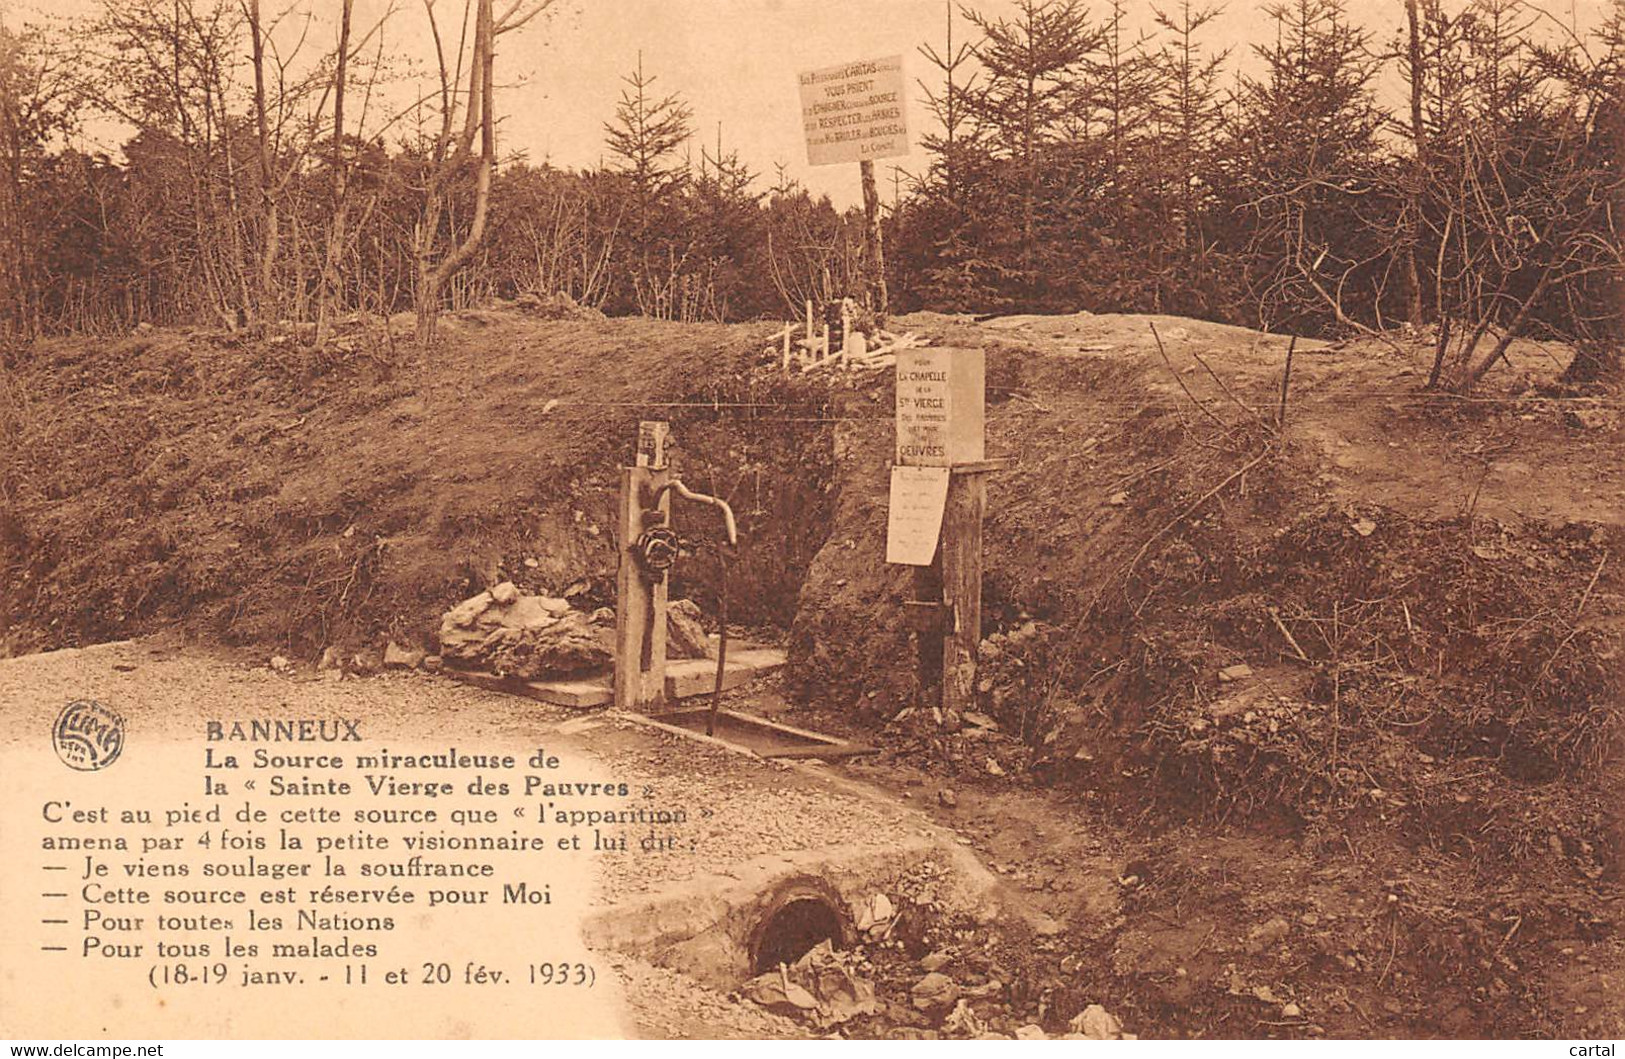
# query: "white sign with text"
(855, 112)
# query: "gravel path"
(738, 807)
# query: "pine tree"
(646, 135)
(1188, 108)
(1303, 158)
(1125, 89)
(1031, 63)
(949, 106)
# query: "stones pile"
(529, 637)
(512, 634)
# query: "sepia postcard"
(987, 520)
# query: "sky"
(734, 61)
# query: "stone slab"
(579, 694)
(684, 679)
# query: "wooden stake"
(928, 588)
(1286, 380)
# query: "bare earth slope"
(261, 492)
(1424, 598)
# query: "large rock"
(529, 637)
(685, 636)
(568, 647)
(398, 657)
(935, 992)
(533, 612)
(464, 614)
(1095, 1023)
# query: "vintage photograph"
(812, 519)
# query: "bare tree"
(452, 154)
(341, 182)
(1521, 174)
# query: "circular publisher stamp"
(87, 735)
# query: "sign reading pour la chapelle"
(854, 112)
(940, 406)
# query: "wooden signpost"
(938, 499)
(857, 112)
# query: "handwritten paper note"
(919, 495)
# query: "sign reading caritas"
(855, 112)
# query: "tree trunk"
(874, 250)
(270, 222)
(1419, 164)
(481, 115)
(335, 233)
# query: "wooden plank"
(982, 466)
(828, 746)
(576, 694)
(763, 659)
(836, 751)
(688, 733)
(758, 721)
(482, 679)
(698, 676)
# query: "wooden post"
(640, 607)
(940, 420)
(927, 586)
(875, 295)
(962, 587)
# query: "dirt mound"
(1426, 634)
(1380, 644)
(258, 491)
